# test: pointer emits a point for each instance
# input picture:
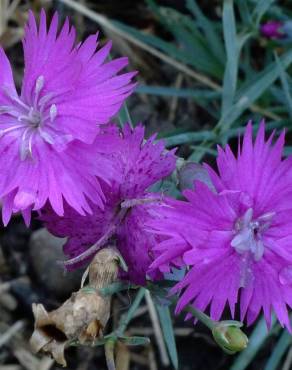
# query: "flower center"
(29, 118)
(249, 232)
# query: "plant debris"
(83, 316)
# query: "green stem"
(129, 315)
(205, 319)
(116, 287)
(119, 286)
(109, 349)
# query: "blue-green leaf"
(285, 85)
(279, 350)
(261, 8)
(212, 36)
(232, 52)
(252, 91)
(167, 328)
(135, 341)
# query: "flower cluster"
(91, 182)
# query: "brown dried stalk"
(83, 316)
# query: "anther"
(39, 84)
(53, 112)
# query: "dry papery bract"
(83, 316)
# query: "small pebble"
(45, 250)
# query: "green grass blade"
(188, 137)
(168, 47)
(190, 39)
(285, 85)
(212, 36)
(168, 333)
(231, 47)
(124, 116)
(248, 95)
(180, 93)
(134, 341)
(244, 12)
(281, 347)
(261, 8)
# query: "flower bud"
(229, 336)
(191, 172)
(272, 30)
(280, 31)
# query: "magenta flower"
(236, 238)
(48, 132)
(129, 206)
(272, 30)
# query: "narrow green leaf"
(259, 335)
(287, 150)
(191, 40)
(124, 116)
(232, 52)
(204, 150)
(127, 317)
(135, 341)
(261, 8)
(188, 137)
(250, 93)
(285, 85)
(193, 50)
(194, 45)
(167, 328)
(279, 350)
(115, 287)
(168, 47)
(244, 11)
(180, 93)
(211, 33)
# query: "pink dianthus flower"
(129, 206)
(236, 236)
(48, 133)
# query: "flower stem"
(116, 287)
(109, 349)
(119, 286)
(205, 319)
(129, 315)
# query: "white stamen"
(14, 98)
(30, 143)
(249, 232)
(24, 147)
(46, 136)
(44, 100)
(39, 84)
(9, 110)
(38, 87)
(9, 129)
(34, 119)
(53, 112)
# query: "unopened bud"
(280, 31)
(190, 172)
(272, 30)
(229, 336)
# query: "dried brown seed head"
(104, 268)
(83, 316)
